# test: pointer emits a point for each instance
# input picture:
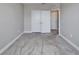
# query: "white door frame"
(59, 22)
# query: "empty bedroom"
(38, 29)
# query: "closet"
(40, 21)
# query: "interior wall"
(27, 18)
(11, 22)
(69, 21)
(27, 12)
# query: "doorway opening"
(55, 21)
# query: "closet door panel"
(35, 21)
(45, 21)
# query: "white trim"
(71, 43)
(27, 32)
(59, 22)
(8, 45)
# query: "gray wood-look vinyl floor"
(40, 44)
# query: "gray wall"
(69, 22)
(37, 6)
(11, 22)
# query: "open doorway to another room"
(55, 21)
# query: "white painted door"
(45, 21)
(35, 21)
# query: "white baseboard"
(71, 43)
(27, 32)
(8, 45)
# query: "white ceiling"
(41, 3)
(46, 5)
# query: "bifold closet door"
(45, 21)
(35, 17)
(40, 21)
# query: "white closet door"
(35, 21)
(45, 21)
